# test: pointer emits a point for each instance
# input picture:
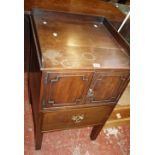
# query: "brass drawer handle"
(78, 118)
(90, 92)
(118, 116)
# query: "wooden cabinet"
(79, 67)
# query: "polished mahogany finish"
(73, 118)
(66, 88)
(87, 7)
(69, 41)
(79, 67)
(93, 7)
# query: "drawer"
(72, 118)
(120, 112)
(119, 116)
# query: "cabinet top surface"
(91, 7)
(69, 41)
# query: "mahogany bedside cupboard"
(79, 67)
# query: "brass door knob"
(90, 92)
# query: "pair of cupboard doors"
(83, 88)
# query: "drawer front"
(71, 118)
(120, 113)
(119, 116)
(62, 89)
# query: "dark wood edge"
(36, 41)
(44, 110)
(77, 13)
(57, 70)
(117, 36)
(107, 71)
(83, 126)
(52, 70)
(42, 87)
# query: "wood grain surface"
(70, 41)
(92, 7)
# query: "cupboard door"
(66, 88)
(107, 87)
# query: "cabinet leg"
(95, 131)
(29, 93)
(38, 140)
(30, 97)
